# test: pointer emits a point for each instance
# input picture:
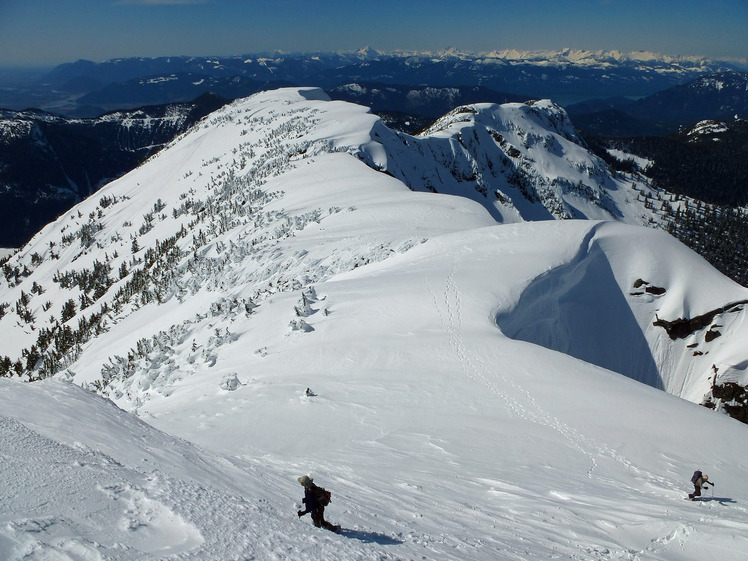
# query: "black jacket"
(310, 498)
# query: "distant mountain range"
(719, 96)
(84, 88)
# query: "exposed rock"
(657, 290)
(711, 335)
(683, 327)
(729, 391)
(730, 397)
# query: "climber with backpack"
(316, 499)
(699, 480)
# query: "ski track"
(448, 307)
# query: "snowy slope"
(522, 161)
(467, 451)
(606, 304)
(468, 398)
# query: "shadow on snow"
(370, 537)
(721, 500)
(579, 309)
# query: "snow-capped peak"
(598, 58)
(707, 127)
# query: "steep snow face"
(629, 285)
(522, 161)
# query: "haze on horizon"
(41, 33)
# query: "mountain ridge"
(51, 162)
(719, 96)
(120, 260)
(565, 76)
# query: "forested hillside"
(705, 170)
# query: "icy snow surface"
(466, 391)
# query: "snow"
(642, 163)
(479, 461)
(595, 59)
(707, 128)
(476, 387)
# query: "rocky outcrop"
(683, 327)
(731, 398)
(655, 290)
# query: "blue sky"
(48, 32)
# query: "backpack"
(323, 496)
(695, 477)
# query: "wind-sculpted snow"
(578, 309)
(264, 253)
(597, 307)
(84, 481)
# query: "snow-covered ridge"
(522, 161)
(598, 58)
(466, 393)
(225, 201)
(210, 240)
